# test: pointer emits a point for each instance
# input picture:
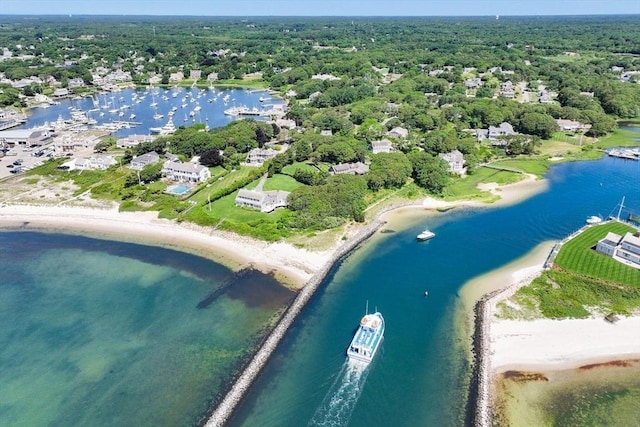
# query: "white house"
(133, 140)
(139, 162)
(258, 156)
(455, 159)
(264, 201)
(97, 162)
(622, 248)
(573, 125)
(382, 146)
(185, 172)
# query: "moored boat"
(594, 219)
(367, 339)
(426, 235)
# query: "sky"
(320, 7)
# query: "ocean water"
(420, 375)
(101, 333)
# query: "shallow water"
(105, 333)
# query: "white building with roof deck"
(133, 140)
(622, 248)
(185, 172)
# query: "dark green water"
(99, 333)
(419, 377)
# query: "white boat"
(367, 339)
(594, 219)
(426, 235)
(167, 129)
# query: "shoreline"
(301, 269)
(539, 345)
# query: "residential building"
(357, 168)
(258, 156)
(133, 140)
(185, 172)
(382, 146)
(573, 126)
(398, 132)
(97, 162)
(504, 129)
(139, 162)
(622, 248)
(264, 201)
(455, 159)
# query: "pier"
(625, 153)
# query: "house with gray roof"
(139, 162)
(133, 140)
(625, 248)
(357, 168)
(258, 156)
(398, 132)
(264, 201)
(382, 146)
(185, 172)
(455, 159)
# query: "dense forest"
(349, 82)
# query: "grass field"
(577, 255)
(467, 188)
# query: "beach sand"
(291, 265)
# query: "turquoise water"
(420, 375)
(99, 333)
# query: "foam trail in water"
(337, 406)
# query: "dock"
(625, 153)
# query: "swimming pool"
(178, 189)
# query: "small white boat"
(594, 219)
(426, 235)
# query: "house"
(139, 162)
(258, 156)
(383, 146)
(573, 126)
(455, 159)
(504, 129)
(185, 172)
(622, 248)
(357, 168)
(71, 142)
(474, 83)
(195, 74)
(176, 77)
(97, 162)
(398, 132)
(61, 93)
(326, 132)
(507, 90)
(264, 201)
(133, 140)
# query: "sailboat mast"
(620, 210)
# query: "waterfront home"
(573, 126)
(258, 156)
(455, 159)
(264, 201)
(185, 172)
(357, 168)
(382, 146)
(69, 142)
(622, 248)
(133, 140)
(139, 162)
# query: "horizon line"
(70, 15)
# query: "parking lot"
(18, 159)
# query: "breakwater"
(237, 391)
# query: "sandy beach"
(291, 265)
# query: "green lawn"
(577, 255)
(537, 167)
(290, 169)
(618, 138)
(467, 187)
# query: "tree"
(429, 172)
(211, 158)
(151, 172)
(394, 168)
(538, 124)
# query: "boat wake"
(338, 405)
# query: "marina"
(137, 111)
(625, 153)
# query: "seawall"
(226, 407)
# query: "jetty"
(237, 391)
